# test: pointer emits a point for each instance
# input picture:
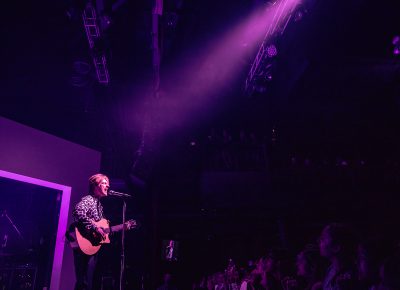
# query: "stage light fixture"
(272, 50)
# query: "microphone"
(118, 194)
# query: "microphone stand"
(122, 270)
(5, 238)
(4, 214)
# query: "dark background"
(33, 211)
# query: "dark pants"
(85, 267)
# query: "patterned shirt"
(87, 211)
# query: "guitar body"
(90, 243)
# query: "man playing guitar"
(90, 230)
(86, 213)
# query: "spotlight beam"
(196, 86)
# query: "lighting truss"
(93, 34)
(276, 28)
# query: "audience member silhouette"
(338, 244)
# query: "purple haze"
(198, 83)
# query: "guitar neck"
(117, 228)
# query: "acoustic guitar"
(89, 241)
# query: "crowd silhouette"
(340, 260)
